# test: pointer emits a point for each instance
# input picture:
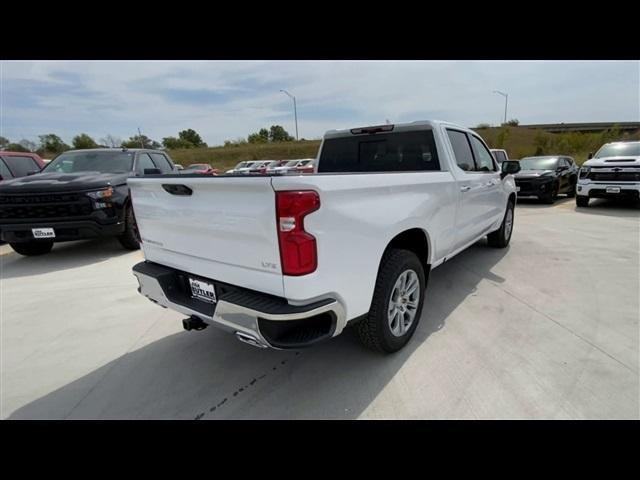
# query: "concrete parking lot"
(546, 329)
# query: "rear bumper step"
(258, 319)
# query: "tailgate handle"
(177, 189)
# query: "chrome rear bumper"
(250, 325)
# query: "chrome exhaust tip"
(251, 340)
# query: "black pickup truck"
(80, 194)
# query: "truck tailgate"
(224, 230)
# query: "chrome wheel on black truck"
(397, 303)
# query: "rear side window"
(161, 162)
(144, 161)
(389, 152)
(484, 159)
(461, 150)
(4, 170)
(21, 166)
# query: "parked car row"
(612, 172)
(305, 165)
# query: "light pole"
(295, 111)
(506, 100)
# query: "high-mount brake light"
(375, 129)
(298, 252)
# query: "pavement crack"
(241, 389)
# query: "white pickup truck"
(286, 261)
(613, 172)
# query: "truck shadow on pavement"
(63, 256)
(535, 203)
(210, 375)
(611, 208)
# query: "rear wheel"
(582, 201)
(501, 237)
(397, 303)
(572, 188)
(32, 248)
(130, 239)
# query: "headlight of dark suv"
(101, 197)
(584, 172)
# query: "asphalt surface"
(546, 329)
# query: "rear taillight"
(298, 254)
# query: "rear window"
(21, 166)
(387, 152)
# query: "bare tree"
(28, 144)
(111, 141)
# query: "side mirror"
(509, 167)
(590, 155)
(152, 171)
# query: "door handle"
(177, 189)
(466, 188)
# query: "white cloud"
(223, 100)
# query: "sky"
(224, 100)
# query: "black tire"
(553, 195)
(572, 190)
(30, 249)
(501, 237)
(130, 239)
(582, 201)
(374, 330)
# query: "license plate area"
(202, 290)
(43, 233)
(613, 190)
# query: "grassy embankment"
(517, 141)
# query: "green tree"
(278, 134)
(4, 142)
(83, 141)
(192, 137)
(140, 141)
(514, 122)
(16, 147)
(173, 143)
(52, 143)
(259, 137)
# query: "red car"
(201, 168)
(19, 164)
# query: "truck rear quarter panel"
(359, 215)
